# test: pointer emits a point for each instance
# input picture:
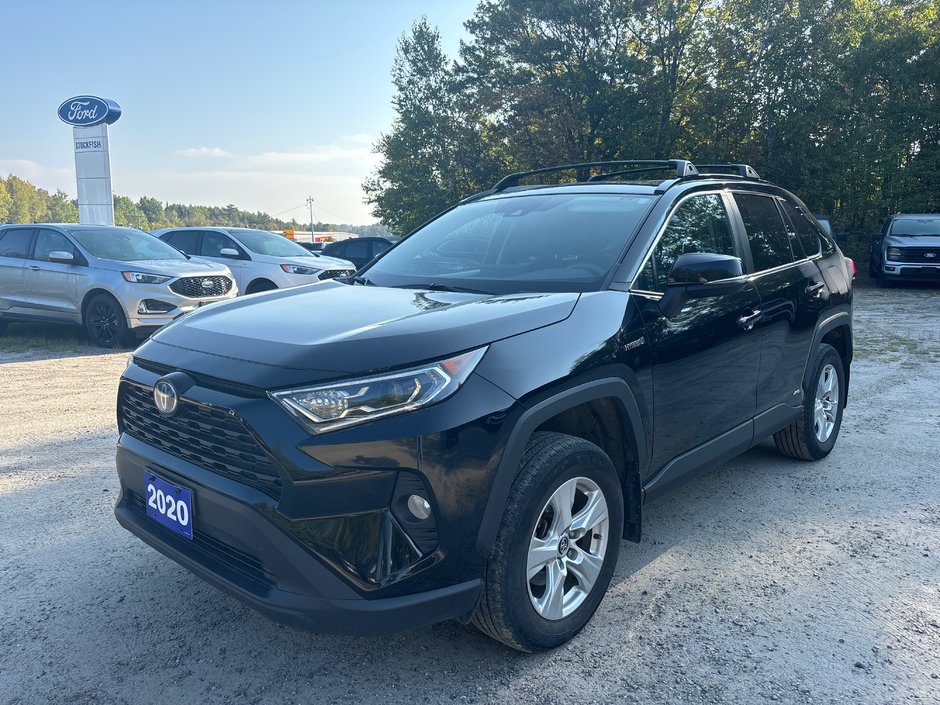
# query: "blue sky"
(259, 104)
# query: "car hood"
(916, 241)
(330, 330)
(169, 267)
(314, 261)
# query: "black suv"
(469, 427)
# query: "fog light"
(419, 507)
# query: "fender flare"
(508, 469)
(839, 317)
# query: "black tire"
(506, 611)
(259, 285)
(105, 323)
(799, 439)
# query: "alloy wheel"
(827, 403)
(567, 548)
(104, 323)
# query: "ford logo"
(931, 255)
(87, 110)
(165, 397)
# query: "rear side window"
(357, 249)
(186, 240)
(15, 243)
(770, 243)
(699, 224)
(805, 231)
(49, 241)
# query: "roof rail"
(682, 167)
(742, 170)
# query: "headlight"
(297, 269)
(328, 407)
(894, 253)
(143, 278)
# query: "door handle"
(34, 268)
(748, 320)
(815, 286)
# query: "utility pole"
(310, 203)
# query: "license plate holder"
(169, 505)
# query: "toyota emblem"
(165, 397)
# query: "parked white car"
(259, 260)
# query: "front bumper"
(242, 553)
(132, 296)
(305, 552)
(912, 272)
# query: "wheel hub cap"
(567, 548)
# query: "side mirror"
(229, 252)
(697, 275)
(62, 257)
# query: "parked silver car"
(117, 282)
(259, 260)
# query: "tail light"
(851, 263)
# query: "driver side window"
(699, 224)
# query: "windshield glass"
(264, 243)
(537, 242)
(124, 244)
(912, 227)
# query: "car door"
(213, 242)
(55, 286)
(705, 359)
(791, 289)
(15, 245)
(186, 241)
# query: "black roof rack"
(682, 167)
(742, 170)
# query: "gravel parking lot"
(763, 580)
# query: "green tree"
(153, 211)
(6, 202)
(61, 208)
(27, 205)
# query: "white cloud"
(203, 152)
(47, 177)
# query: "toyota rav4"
(470, 426)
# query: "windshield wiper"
(364, 281)
(435, 286)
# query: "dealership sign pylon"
(89, 117)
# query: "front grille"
(201, 287)
(247, 567)
(333, 273)
(921, 254)
(214, 439)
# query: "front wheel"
(557, 545)
(105, 322)
(814, 434)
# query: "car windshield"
(124, 244)
(913, 227)
(530, 243)
(264, 243)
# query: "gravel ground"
(763, 580)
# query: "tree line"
(22, 202)
(836, 100)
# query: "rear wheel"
(105, 322)
(814, 434)
(557, 545)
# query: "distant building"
(316, 235)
